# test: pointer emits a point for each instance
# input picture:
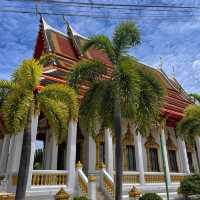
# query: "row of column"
(11, 146)
(139, 154)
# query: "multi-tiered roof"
(66, 47)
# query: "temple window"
(172, 157)
(100, 149)
(190, 150)
(61, 156)
(79, 146)
(129, 161)
(152, 154)
(102, 152)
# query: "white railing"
(82, 182)
(154, 177)
(85, 186)
(107, 184)
(177, 177)
(131, 177)
(49, 177)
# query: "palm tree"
(195, 97)
(22, 101)
(132, 93)
(189, 126)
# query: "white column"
(198, 149)
(91, 155)
(51, 152)
(47, 151)
(92, 187)
(1, 146)
(54, 154)
(15, 153)
(109, 151)
(163, 140)
(183, 152)
(4, 153)
(139, 157)
(71, 153)
(34, 127)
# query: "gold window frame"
(99, 139)
(151, 144)
(171, 147)
(128, 140)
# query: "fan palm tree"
(132, 93)
(22, 101)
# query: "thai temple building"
(83, 165)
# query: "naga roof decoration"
(67, 47)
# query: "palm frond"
(127, 82)
(57, 114)
(97, 107)
(5, 87)
(89, 70)
(126, 35)
(62, 93)
(15, 109)
(28, 74)
(100, 42)
(150, 100)
(5, 84)
(189, 126)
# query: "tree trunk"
(118, 153)
(24, 161)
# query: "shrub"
(150, 196)
(190, 185)
(80, 198)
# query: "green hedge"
(190, 185)
(150, 196)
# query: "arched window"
(129, 161)
(172, 157)
(152, 154)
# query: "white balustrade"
(49, 177)
(107, 183)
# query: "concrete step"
(100, 195)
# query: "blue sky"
(175, 40)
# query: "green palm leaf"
(28, 75)
(90, 70)
(63, 94)
(126, 35)
(189, 127)
(15, 108)
(57, 115)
